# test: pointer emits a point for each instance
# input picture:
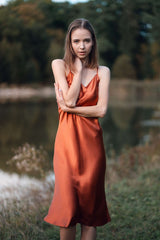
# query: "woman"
(79, 158)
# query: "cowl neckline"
(92, 79)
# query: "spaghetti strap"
(97, 72)
(79, 166)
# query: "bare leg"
(88, 233)
(68, 233)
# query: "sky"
(3, 2)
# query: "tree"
(123, 68)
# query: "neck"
(83, 61)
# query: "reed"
(31, 160)
(132, 192)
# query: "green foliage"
(134, 208)
(133, 201)
(155, 51)
(30, 160)
(12, 61)
(123, 68)
(23, 43)
(136, 160)
(32, 33)
(152, 17)
(130, 27)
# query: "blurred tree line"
(32, 33)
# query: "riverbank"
(16, 93)
(14, 187)
(132, 192)
(127, 93)
(133, 205)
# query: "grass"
(134, 206)
(133, 200)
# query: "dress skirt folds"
(79, 166)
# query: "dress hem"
(79, 222)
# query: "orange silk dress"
(79, 166)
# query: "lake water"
(35, 122)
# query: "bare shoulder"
(58, 63)
(103, 70)
(104, 74)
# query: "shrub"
(123, 68)
(31, 160)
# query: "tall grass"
(31, 160)
(132, 191)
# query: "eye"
(76, 41)
(87, 40)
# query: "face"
(82, 42)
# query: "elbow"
(103, 111)
(70, 104)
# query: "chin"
(82, 57)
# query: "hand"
(78, 65)
(59, 97)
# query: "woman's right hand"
(59, 97)
(78, 65)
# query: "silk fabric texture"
(79, 165)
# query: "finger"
(55, 85)
(60, 94)
(58, 90)
(57, 94)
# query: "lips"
(82, 52)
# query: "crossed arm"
(70, 94)
(64, 96)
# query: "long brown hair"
(69, 56)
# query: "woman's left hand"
(59, 97)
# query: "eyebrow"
(77, 39)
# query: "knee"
(88, 228)
(69, 227)
(88, 232)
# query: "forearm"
(88, 111)
(98, 110)
(72, 94)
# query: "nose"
(81, 45)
